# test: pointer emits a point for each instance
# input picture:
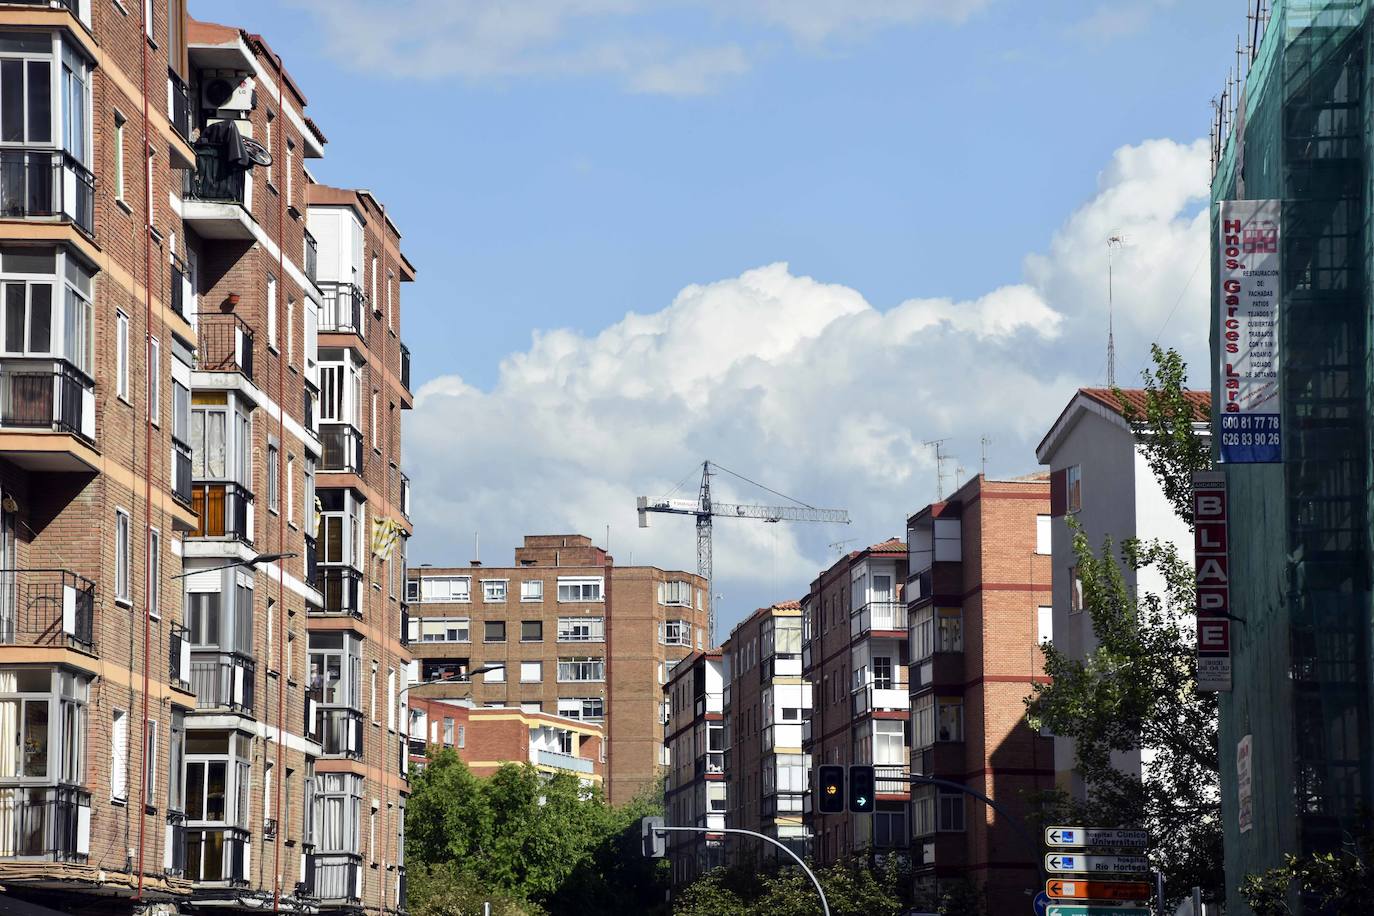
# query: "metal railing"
(405, 626)
(69, 5)
(176, 844)
(225, 344)
(891, 779)
(561, 761)
(179, 273)
(179, 104)
(179, 657)
(47, 394)
(870, 697)
(217, 854)
(312, 257)
(312, 559)
(213, 180)
(405, 495)
(46, 183)
(44, 823)
(339, 729)
(339, 587)
(341, 447)
(344, 307)
(222, 510)
(223, 681)
(878, 615)
(338, 876)
(308, 408)
(405, 367)
(181, 472)
(46, 607)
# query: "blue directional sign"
(1079, 837)
(1041, 903)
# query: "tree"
(443, 889)
(1137, 689)
(1338, 883)
(853, 887)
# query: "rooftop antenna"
(1113, 242)
(477, 548)
(838, 546)
(983, 447)
(940, 459)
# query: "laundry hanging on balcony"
(385, 531)
(233, 151)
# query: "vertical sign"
(1243, 784)
(1213, 581)
(1248, 336)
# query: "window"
(45, 715)
(440, 629)
(336, 667)
(271, 129)
(676, 594)
(445, 588)
(532, 590)
(882, 672)
(531, 672)
(290, 329)
(586, 709)
(1075, 591)
(123, 561)
(390, 281)
(949, 718)
(291, 489)
(950, 629)
(448, 731)
(496, 675)
(581, 669)
(922, 638)
(339, 806)
(951, 810)
(889, 829)
(493, 589)
(372, 278)
(1044, 624)
(373, 692)
(122, 355)
(581, 588)
(154, 586)
(290, 173)
(273, 481)
(581, 629)
(119, 757)
(675, 633)
(1042, 534)
(494, 631)
(1074, 480)
(151, 765)
(391, 698)
(271, 311)
(118, 150)
(462, 736)
(531, 631)
(176, 762)
(373, 423)
(154, 381)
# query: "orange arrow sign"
(1059, 889)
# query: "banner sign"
(1244, 785)
(1213, 582)
(1248, 336)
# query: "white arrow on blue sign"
(1059, 909)
(1078, 837)
(1073, 863)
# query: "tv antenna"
(1113, 242)
(940, 459)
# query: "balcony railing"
(179, 291)
(339, 586)
(181, 472)
(341, 447)
(225, 344)
(47, 394)
(562, 761)
(405, 495)
(46, 183)
(312, 257)
(218, 854)
(179, 104)
(405, 367)
(223, 680)
(45, 823)
(70, 6)
(878, 615)
(339, 730)
(312, 560)
(176, 844)
(870, 698)
(405, 626)
(712, 763)
(344, 309)
(213, 181)
(224, 510)
(179, 657)
(338, 877)
(46, 607)
(308, 408)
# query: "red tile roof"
(891, 545)
(1201, 401)
(787, 605)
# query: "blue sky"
(555, 165)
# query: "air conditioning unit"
(234, 92)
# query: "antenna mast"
(940, 459)
(1114, 241)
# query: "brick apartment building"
(488, 737)
(978, 602)
(563, 630)
(854, 654)
(159, 437)
(766, 703)
(694, 789)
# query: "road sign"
(1040, 904)
(1073, 863)
(1095, 836)
(1075, 909)
(1074, 889)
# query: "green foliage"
(1337, 883)
(444, 890)
(852, 888)
(1138, 688)
(545, 845)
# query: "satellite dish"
(257, 152)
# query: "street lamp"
(251, 562)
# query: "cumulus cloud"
(478, 40)
(807, 387)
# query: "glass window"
(922, 633)
(494, 631)
(1075, 591)
(582, 669)
(1042, 534)
(119, 756)
(531, 672)
(951, 629)
(676, 593)
(121, 353)
(532, 590)
(531, 631)
(445, 588)
(583, 588)
(494, 590)
(1044, 624)
(273, 477)
(154, 585)
(587, 709)
(949, 718)
(581, 629)
(676, 633)
(1074, 480)
(123, 560)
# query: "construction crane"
(705, 509)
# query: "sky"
(800, 238)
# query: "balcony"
(181, 473)
(344, 308)
(45, 823)
(217, 854)
(712, 763)
(869, 698)
(708, 703)
(175, 864)
(782, 735)
(338, 877)
(405, 626)
(312, 258)
(341, 448)
(180, 294)
(882, 616)
(179, 105)
(405, 496)
(179, 657)
(308, 396)
(46, 184)
(223, 680)
(223, 510)
(312, 560)
(562, 761)
(339, 730)
(213, 181)
(46, 607)
(339, 586)
(225, 344)
(49, 395)
(890, 779)
(405, 367)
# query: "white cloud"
(478, 40)
(807, 387)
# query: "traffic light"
(654, 837)
(830, 789)
(862, 789)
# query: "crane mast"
(705, 509)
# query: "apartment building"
(977, 601)
(1101, 482)
(488, 737)
(694, 789)
(767, 705)
(563, 630)
(854, 654)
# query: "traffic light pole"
(825, 904)
(1011, 821)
